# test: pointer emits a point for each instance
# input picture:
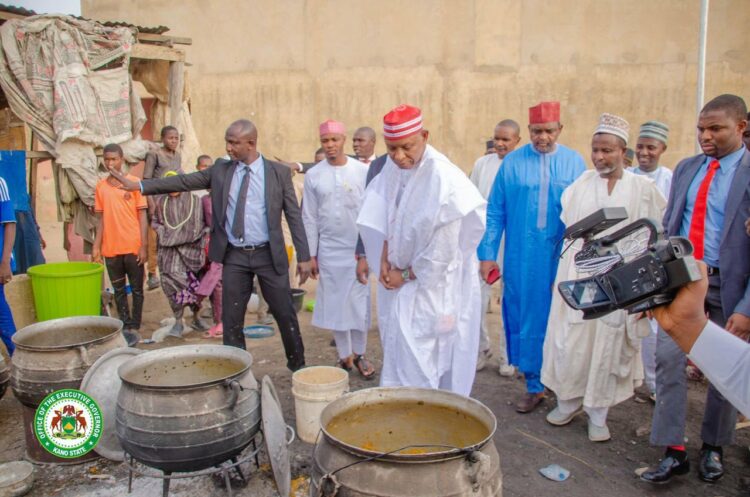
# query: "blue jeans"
(7, 326)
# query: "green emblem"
(68, 423)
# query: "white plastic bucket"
(313, 389)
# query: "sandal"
(364, 367)
(216, 331)
(343, 365)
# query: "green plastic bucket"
(65, 289)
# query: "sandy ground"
(526, 443)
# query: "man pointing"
(248, 195)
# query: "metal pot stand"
(274, 433)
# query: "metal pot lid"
(274, 435)
(102, 383)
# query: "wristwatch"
(406, 274)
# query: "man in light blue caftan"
(525, 205)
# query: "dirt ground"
(526, 443)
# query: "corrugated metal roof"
(12, 9)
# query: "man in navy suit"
(708, 203)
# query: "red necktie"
(698, 222)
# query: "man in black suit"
(248, 195)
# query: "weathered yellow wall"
(290, 64)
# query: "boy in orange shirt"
(121, 240)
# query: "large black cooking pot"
(187, 408)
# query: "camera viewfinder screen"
(587, 292)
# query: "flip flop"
(363, 365)
(216, 331)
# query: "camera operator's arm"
(722, 357)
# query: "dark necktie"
(238, 224)
(698, 221)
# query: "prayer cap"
(611, 124)
(331, 127)
(402, 121)
(656, 130)
(544, 112)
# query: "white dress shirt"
(725, 360)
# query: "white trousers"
(597, 415)
(350, 342)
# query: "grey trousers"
(668, 423)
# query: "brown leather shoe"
(529, 402)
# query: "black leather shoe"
(667, 467)
(711, 467)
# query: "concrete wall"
(290, 64)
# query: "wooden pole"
(176, 89)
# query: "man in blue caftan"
(525, 205)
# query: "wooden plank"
(157, 52)
(176, 89)
(32, 171)
(34, 154)
(178, 40)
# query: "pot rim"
(153, 356)
(87, 320)
(410, 393)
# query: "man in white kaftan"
(334, 189)
(505, 139)
(652, 143)
(426, 219)
(594, 364)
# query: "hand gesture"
(290, 165)
(127, 184)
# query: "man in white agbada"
(334, 189)
(592, 365)
(423, 219)
(505, 140)
(651, 144)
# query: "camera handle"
(655, 232)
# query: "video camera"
(650, 279)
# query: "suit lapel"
(231, 166)
(682, 191)
(267, 185)
(740, 183)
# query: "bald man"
(363, 143)
(506, 137)
(248, 195)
